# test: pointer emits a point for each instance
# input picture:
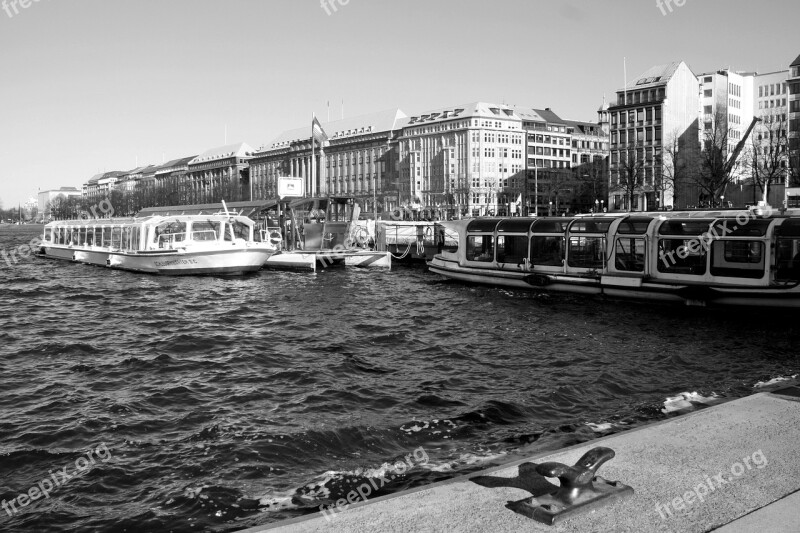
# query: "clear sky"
(95, 85)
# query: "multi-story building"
(459, 160)
(358, 159)
(726, 112)
(590, 150)
(221, 173)
(46, 197)
(659, 109)
(793, 89)
(170, 181)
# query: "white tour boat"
(218, 244)
(748, 257)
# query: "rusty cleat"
(581, 489)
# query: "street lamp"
(596, 205)
(550, 210)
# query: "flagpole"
(311, 188)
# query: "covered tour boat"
(749, 257)
(217, 244)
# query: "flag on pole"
(317, 133)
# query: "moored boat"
(217, 244)
(697, 258)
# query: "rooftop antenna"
(329, 110)
(342, 107)
(625, 75)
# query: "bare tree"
(631, 171)
(767, 158)
(677, 162)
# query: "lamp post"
(722, 200)
(550, 210)
(596, 205)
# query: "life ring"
(275, 237)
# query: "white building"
(657, 109)
(459, 160)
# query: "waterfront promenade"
(730, 468)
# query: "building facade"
(221, 173)
(655, 113)
(793, 103)
(461, 160)
(358, 159)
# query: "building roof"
(586, 128)
(538, 115)
(796, 62)
(470, 110)
(380, 121)
(175, 163)
(223, 152)
(654, 76)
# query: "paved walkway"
(732, 468)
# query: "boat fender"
(537, 280)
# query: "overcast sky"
(96, 85)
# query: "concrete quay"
(730, 468)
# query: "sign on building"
(290, 187)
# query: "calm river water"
(209, 404)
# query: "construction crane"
(727, 168)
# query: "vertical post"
(525, 200)
(375, 187)
(536, 193)
(313, 161)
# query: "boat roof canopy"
(247, 209)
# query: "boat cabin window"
(480, 248)
(684, 227)
(739, 258)
(486, 225)
(547, 250)
(551, 225)
(106, 237)
(788, 259)
(512, 248)
(514, 225)
(586, 252)
(634, 226)
(590, 226)
(116, 238)
(205, 230)
(135, 232)
(629, 254)
(737, 228)
(169, 233)
(237, 230)
(682, 256)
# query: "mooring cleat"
(581, 489)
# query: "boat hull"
(612, 287)
(180, 263)
(172, 263)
